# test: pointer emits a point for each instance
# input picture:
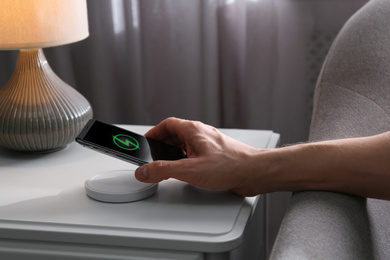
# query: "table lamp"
(38, 111)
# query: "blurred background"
(230, 63)
(249, 64)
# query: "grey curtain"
(229, 63)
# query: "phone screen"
(126, 144)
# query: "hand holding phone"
(126, 145)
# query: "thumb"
(157, 171)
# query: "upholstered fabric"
(352, 99)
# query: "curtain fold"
(229, 63)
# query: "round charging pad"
(118, 187)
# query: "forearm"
(359, 166)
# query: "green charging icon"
(126, 142)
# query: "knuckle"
(171, 118)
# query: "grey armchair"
(352, 98)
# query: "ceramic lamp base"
(38, 111)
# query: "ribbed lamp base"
(38, 111)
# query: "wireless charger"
(118, 187)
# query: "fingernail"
(143, 173)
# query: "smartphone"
(126, 145)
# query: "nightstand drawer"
(49, 251)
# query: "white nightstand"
(45, 213)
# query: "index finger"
(169, 131)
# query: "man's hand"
(214, 160)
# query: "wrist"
(279, 169)
(261, 172)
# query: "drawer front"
(16, 250)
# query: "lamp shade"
(42, 23)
